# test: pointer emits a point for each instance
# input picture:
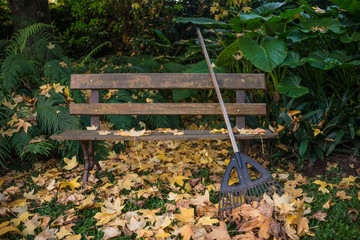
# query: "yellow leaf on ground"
(187, 215)
(187, 231)
(88, 202)
(131, 133)
(5, 228)
(328, 204)
(70, 163)
(58, 88)
(218, 233)
(103, 218)
(207, 221)
(342, 195)
(135, 225)
(64, 231)
(319, 216)
(177, 179)
(73, 237)
(72, 184)
(110, 232)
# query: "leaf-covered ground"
(169, 190)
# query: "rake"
(246, 190)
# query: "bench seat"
(91, 135)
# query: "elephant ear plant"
(311, 60)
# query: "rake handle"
(218, 93)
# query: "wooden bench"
(96, 82)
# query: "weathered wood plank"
(188, 135)
(94, 98)
(240, 109)
(166, 81)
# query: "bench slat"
(240, 109)
(189, 135)
(166, 81)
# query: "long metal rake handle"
(218, 93)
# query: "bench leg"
(93, 162)
(86, 162)
(244, 146)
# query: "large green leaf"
(293, 60)
(320, 59)
(328, 23)
(225, 56)
(268, 8)
(266, 56)
(201, 21)
(290, 13)
(353, 38)
(290, 87)
(352, 6)
(297, 36)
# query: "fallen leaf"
(342, 195)
(110, 232)
(207, 221)
(70, 163)
(131, 133)
(328, 204)
(104, 132)
(319, 216)
(92, 127)
(50, 46)
(136, 225)
(6, 228)
(72, 184)
(187, 232)
(219, 233)
(22, 124)
(64, 231)
(186, 216)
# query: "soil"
(346, 166)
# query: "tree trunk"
(37, 10)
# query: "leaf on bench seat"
(250, 131)
(131, 133)
(104, 132)
(92, 127)
(169, 130)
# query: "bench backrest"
(235, 81)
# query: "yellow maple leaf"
(87, 202)
(44, 89)
(73, 237)
(103, 217)
(343, 196)
(5, 228)
(9, 104)
(246, 9)
(58, 88)
(72, 184)
(70, 163)
(64, 231)
(207, 221)
(186, 216)
(187, 231)
(131, 133)
(22, 124)
(328, 204)
(177, 179)
(22, 218)
(92, 127)
(50, 46)
(322, 186)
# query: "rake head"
(246, 190)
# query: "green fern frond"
(121, 121)
(16, 66)
(157, 121)
(19, 141)
(33, 150)
(94, 51)
(101, 150)
(55, 73)
(19, 40)
(51, 117)
(4, 151)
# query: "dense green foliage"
(309, 51)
